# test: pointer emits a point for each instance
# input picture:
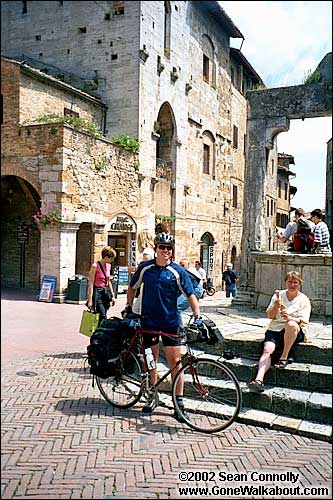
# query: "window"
(232, 74)
(244, 150)
(235, 137)
(234, 197)
(205, 68)
(167, 29)
(272, 207)
(24, 7)
(272, 166)
(279, 188)
(70, 112)
(267, 210)
(206, 157)
(208, 65)
(286, 191)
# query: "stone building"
(329, 181)
(161, 72)
(284, 190)
(64, 171)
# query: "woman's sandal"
(282, 363)
(256, 385)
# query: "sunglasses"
(164, 247)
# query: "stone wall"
(316, 270)
(121, 56)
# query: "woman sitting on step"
(289, 311)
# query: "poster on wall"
(122, 279)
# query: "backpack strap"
(102, 269)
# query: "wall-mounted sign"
(133, 253)
(210, 260)
(122, 223)
(22, 233)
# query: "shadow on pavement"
(19, 294)
(96, 406)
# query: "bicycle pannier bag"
(106, 345)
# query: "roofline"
(237, 53)
(29, 70)
(222, 18)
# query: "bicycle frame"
(138, 336)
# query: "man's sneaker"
(151, 405)
(179, 417)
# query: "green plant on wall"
(100, 163)
(312, 77)
(126, 142)
(77, 123)
(136, 165)
(164, 218)
(47, 216)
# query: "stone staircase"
(297, 399)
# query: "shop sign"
(133, 253)
(210, 260)
(122, 223)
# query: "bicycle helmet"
(164, 239)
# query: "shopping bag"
(89, 323)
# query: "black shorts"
(150, 340)
(277, 337)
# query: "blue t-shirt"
(162, 285)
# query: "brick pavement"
(61, 440)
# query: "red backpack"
(304, 237)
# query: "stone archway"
(166, 161)
(269, 113)
(20, 263)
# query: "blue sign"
(48, 287)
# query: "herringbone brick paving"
(60, 439)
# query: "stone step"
(295, 403)
(303, 352)
(259, 418)
(295, 376)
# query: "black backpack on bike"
(106, 344)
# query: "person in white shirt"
(200, 270)
(321, 232)
(289, 311)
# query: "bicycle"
(212, 395)
(208, 288)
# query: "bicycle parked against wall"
(212, 395)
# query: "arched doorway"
(20, 238)
(233, 255)
(165, 132)
(207, 253)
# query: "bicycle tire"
(211, 291)
(212, 395)
(124, 389)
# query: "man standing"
(321, 232)
(161, 282)
(230, 277)
(201, 271)
(196, 280)
(292, 227)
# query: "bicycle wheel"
(123, 389)
(211, 291)
(212, 396)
